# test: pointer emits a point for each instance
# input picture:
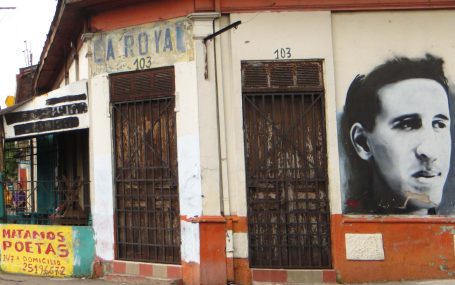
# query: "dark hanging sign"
(62, 109)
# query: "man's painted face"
(411, 142)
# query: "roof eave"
(65, 27)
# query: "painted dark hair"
(362, 106)
(362, 102)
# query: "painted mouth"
(426, 174)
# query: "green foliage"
(11, 163)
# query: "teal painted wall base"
(84, 251)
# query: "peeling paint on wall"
(447, 229)
(142, 47)
(190, 242)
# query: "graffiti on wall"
(396, 138)
(37, 250)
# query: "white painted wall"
(100, 147)
(190, 247)
(188, 145)
(362, 41)
(83, 61)
(197, 145)
(208, 122)
(101, 183)
(309, 36)
(189, 158)
(224, 78)
(354, 48)
(72, 72)
(83, 67)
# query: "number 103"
(282, 53)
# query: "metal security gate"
(146, 181)
(286, 164)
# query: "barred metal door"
(146, 181)
(286, 164)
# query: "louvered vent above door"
(133, 86)
(276, 76)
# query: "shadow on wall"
(447, 206)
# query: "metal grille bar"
(288, 207)
(34, 193)
(147, 199)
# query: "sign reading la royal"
(142, 47)
(37, 250)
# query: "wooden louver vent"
(133, 86)
(272, 76)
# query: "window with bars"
(286, 164)
(46, 180)
(146, 180)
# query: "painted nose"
(426, 150)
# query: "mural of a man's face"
(410, 143)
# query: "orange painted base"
(414, 248)
(98, 270)
(191, 273)
(242, 272)
(213, 252)
(230, 270)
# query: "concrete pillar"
(203, 228)
(101, 188)
(100, 153)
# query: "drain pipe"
(222, 145)
(224, 198)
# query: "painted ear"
(360, 142)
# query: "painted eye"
(439, 124)
(408, 124)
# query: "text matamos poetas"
(37, 250)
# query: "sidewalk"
(11, 279)
(423, 282)
(426, 282)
